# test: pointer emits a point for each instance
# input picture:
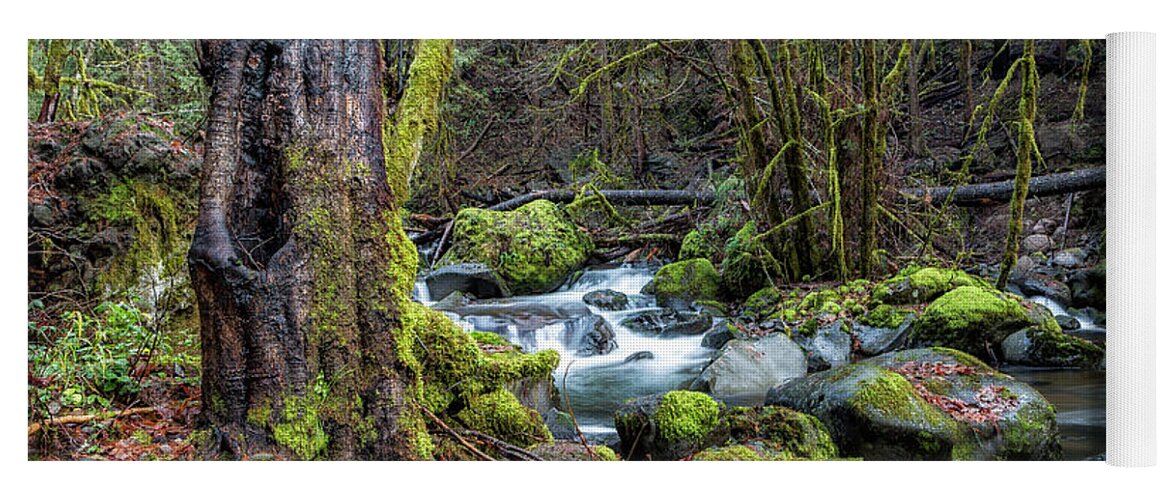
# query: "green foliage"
(87, 361)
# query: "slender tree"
(1026, 145)
(51, 79)
(871, 158)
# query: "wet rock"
(1036, 243)
(532, 249)
(538, 393)
(1034, 284)
(926, 404)
(1088, 287)
(1067, 323)
(679, 284)
(475, 279)
(607, 300)
(771, 433)
(590, 335)
(1041, 347)
(667, 426)
(1071, 258)
(719, 334)
(744, 370)
(883, 330)
(560, 424)
(975, 320)
(825, 347)
(669, 322)
(40, 215)
(639, 356)
(1024, 265)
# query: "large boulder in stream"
(744, 370)
(926, 404)
(825, 346)
(667, 426)
(532, 249)
(678, 284)
(976, 320)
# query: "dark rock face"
(1040, 347)
(1034, 284)
(875, 340)
(475, 279)
(607, 300)
(719, 335)
(107, 200)
(1088, 287)
(668, 322)
(827, 346)
(926, 404)
(590, 335)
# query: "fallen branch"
(647, 197)
(508, 450)
(475, 451)
(81, 419)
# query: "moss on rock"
(533, 249)
(974, 319)
(686, 416)
(678, 284)
(921, 285)
(743, 271)
(500, 414)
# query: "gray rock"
(873, 340)
(1067, 323)
(1071, 258)
(744, 370)
(1036, 243)
(607, 300)
(1038, 347)
(590, 335)
(1044, 226)
(476, 279)
(719, 334)
(1034, 284)
(644, 438)
(668, 322)
(828, 346)
(639, 356)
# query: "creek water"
(594, 386)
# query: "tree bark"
(871, 159)
(55, 56)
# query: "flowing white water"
(594, 385)
(1086, 325)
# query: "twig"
(81, 419)
(569, 406)
(475, 451)
(508, 449)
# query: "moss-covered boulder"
(667, 426)
(562, 451)
(926, 404)
(606, 300)
(922, 285)
(678, 284)
(771, 433)
(1035, 346)
(111, 207)
(533, 249)
(743, 271)
(976, 320)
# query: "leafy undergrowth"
(107, 384)
(990, 403)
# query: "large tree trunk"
(291, 252)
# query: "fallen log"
(966, 196)
(647, 197)
(999, 192)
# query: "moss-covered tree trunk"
(51, 80)
(299, 262)
(1026, 145)
(871, 159)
